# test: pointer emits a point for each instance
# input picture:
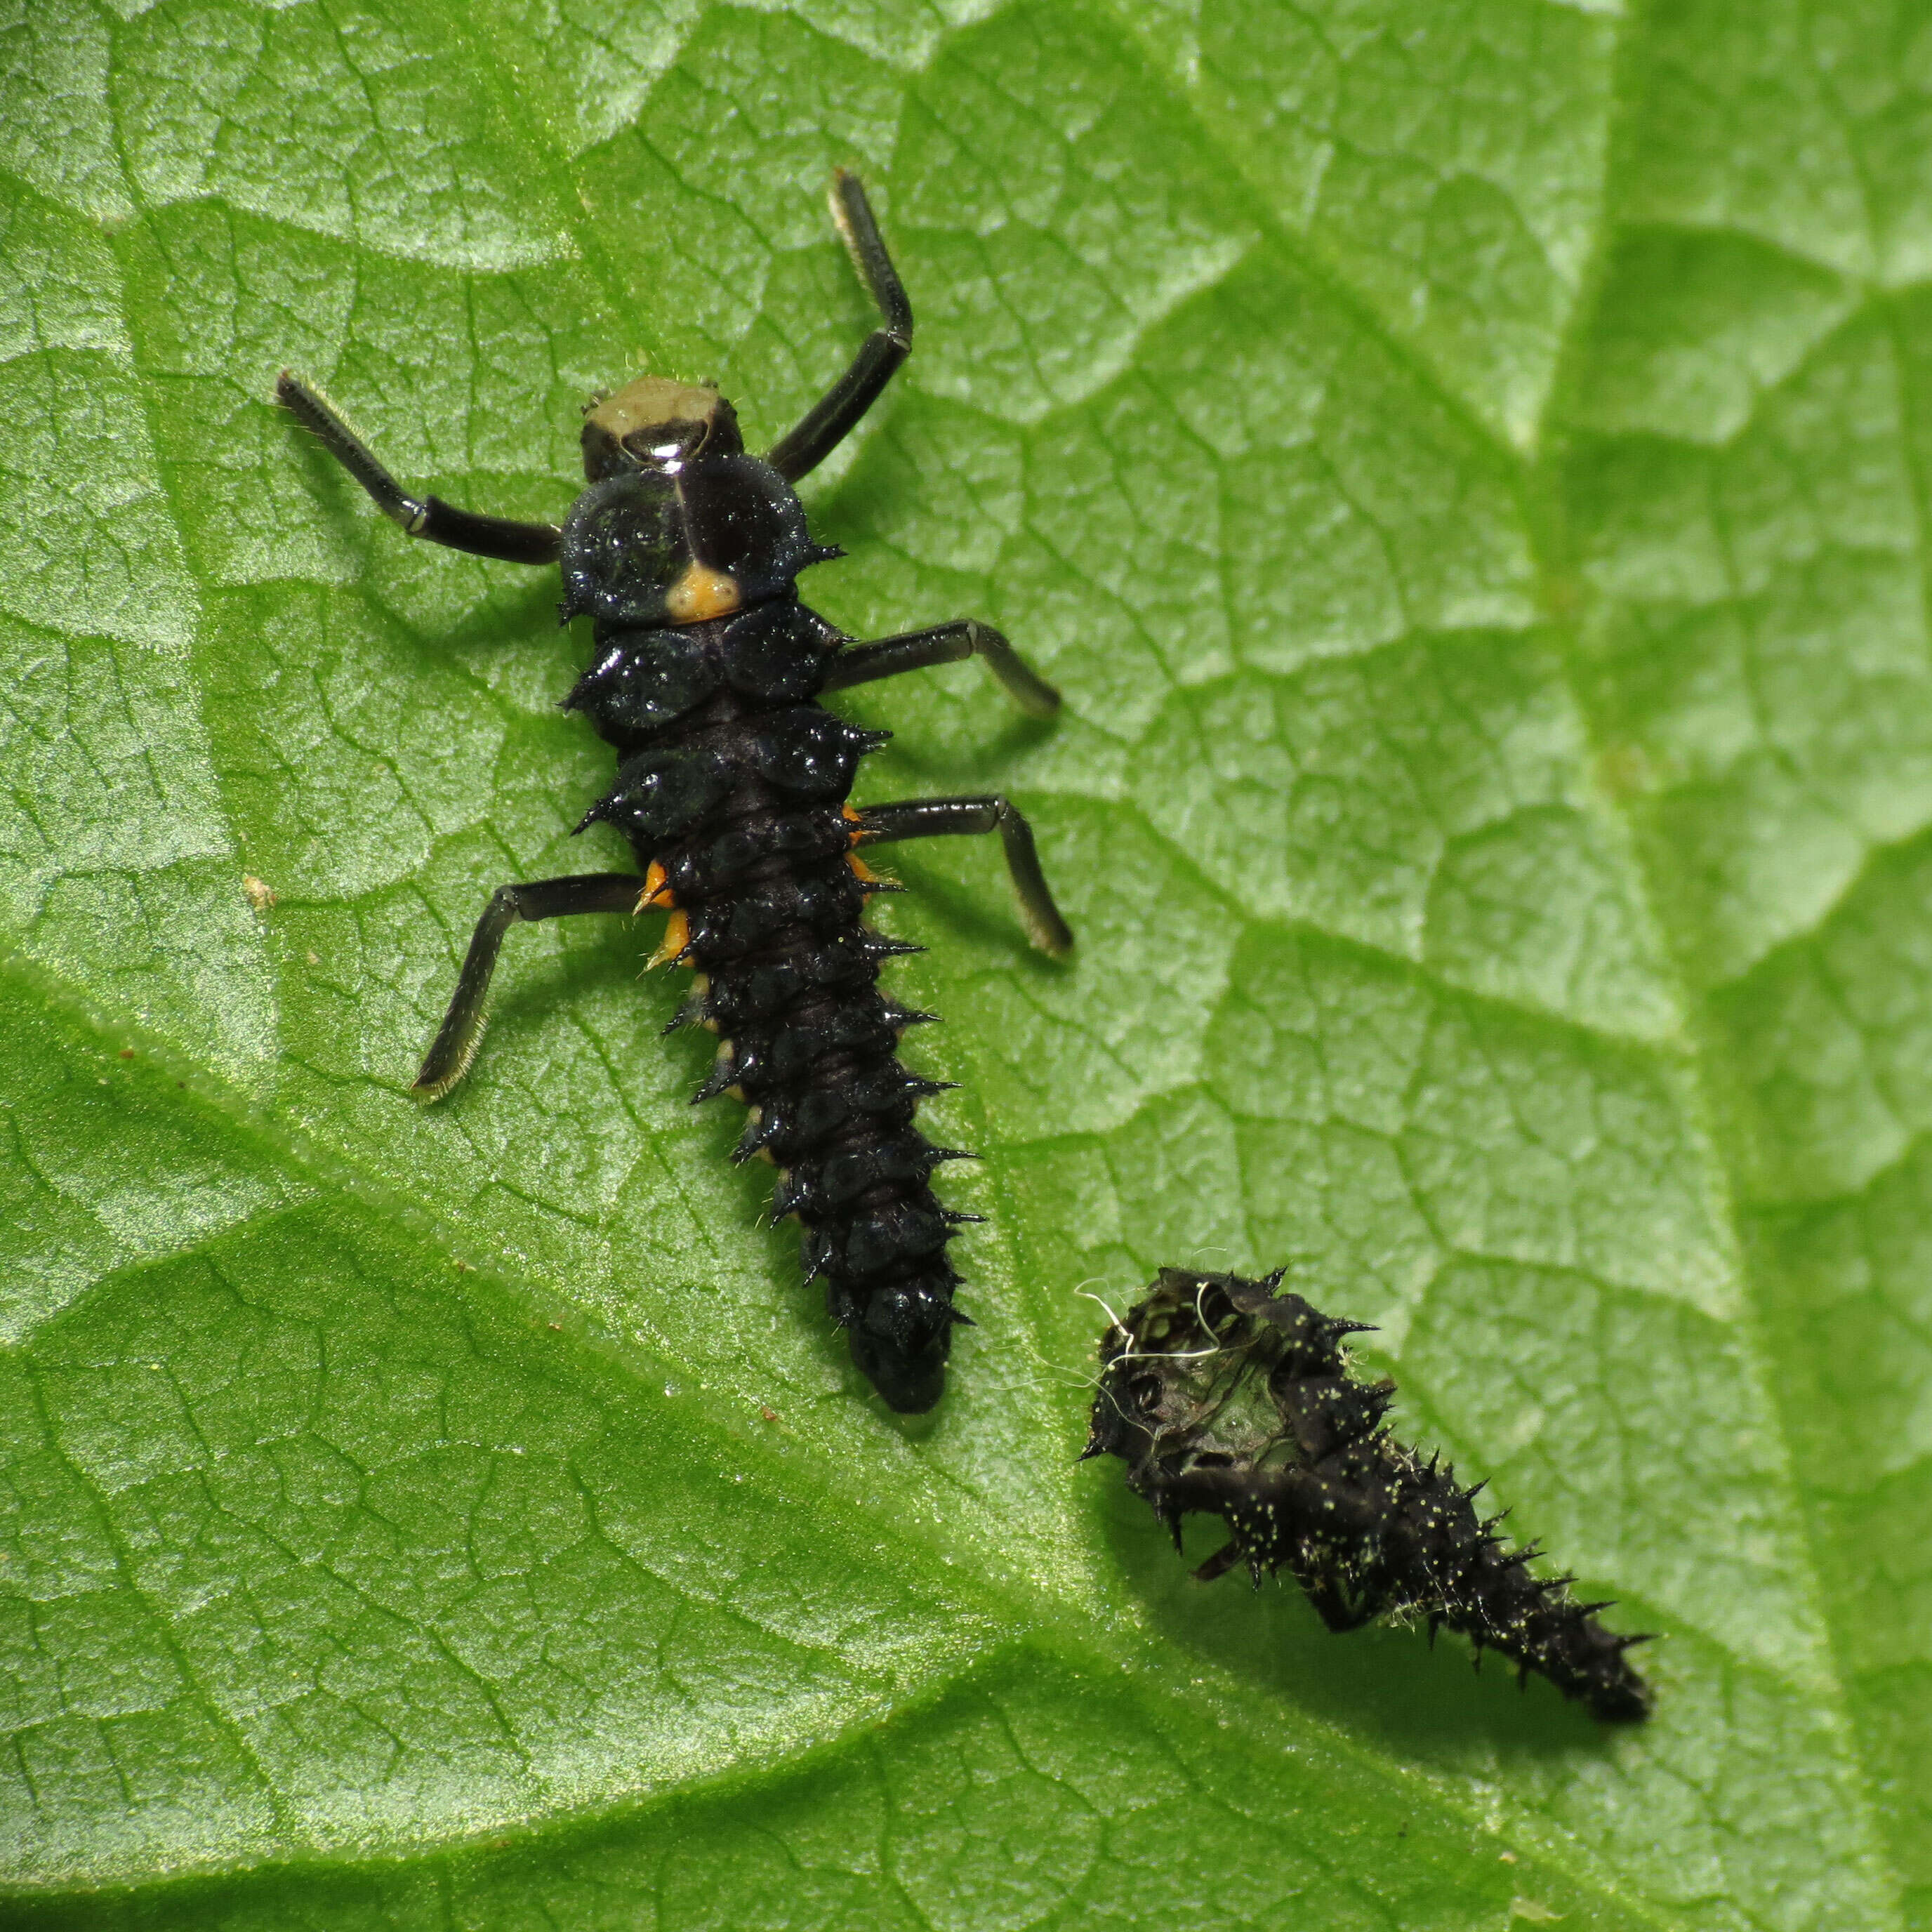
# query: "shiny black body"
(739, 796)
(1226, 1397)
(684, 552)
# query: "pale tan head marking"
(657, 403)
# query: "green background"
(1466, 463)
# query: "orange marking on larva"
(862, 870)
(700, 593)
(656, 893)
(857, 821)
(676, 938)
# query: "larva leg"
(1332, 1603)
(429, 517)
(938, 818)
(454, 1046)
(830, 419)
(947, 643)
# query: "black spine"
(1226, 1397)
(740, 800)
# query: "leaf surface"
(1465, 465)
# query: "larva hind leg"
(454, 1046)
(939, 817)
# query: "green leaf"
(1466, 465)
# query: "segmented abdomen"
(735, 806)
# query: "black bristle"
(694, 1011)
(722, 1077)
(758, 1136)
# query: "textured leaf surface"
(1466, 462)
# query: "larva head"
(653, 422)
(678, 525)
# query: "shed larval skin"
(1229, 1398)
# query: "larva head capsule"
(679, 525)
(656, 423)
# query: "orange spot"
(700, 593)
(656, 892)
(856, 819)
(862, 870)
(676, 938)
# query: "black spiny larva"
(1226, 1398)
(684, 552)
